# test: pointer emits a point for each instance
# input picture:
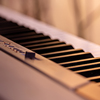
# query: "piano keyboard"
(54, 50)
(78, 60)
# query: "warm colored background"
(79, 17)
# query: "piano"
(40, 62)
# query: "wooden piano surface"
(70, 83)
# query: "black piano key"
(37, 42)
(86, 66)
(7, 23)
(20, 35)
(15, 31)
(52, 48)
(10, 28)
(80, 62)
(31, 38)
(44, 44)
(96, 80)
(90, 73)
(72, 57)
(4, 21)
(63, 52)
(28, 37)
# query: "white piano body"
(25, 79)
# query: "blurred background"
(78, 17)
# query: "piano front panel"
(80, 61)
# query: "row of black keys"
(57, 51)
